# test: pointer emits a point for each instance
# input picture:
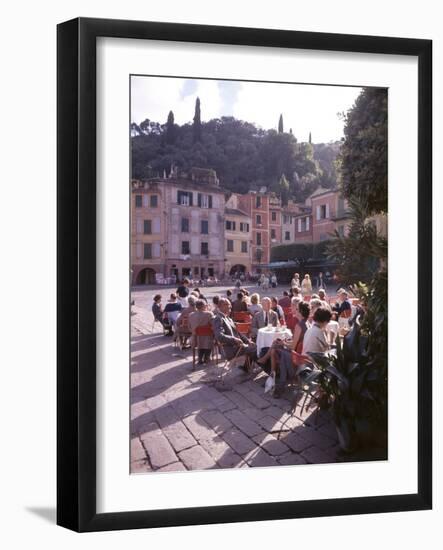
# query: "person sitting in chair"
(343, 304)
(232, 342)
(201, 318)
(157, 312)
(182, 328)
(264, 318)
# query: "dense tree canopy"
(244, 156)
(364, 155)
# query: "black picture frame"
(76, 281)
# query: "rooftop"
(236, 212)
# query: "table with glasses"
(267, 335)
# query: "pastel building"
(185, 227)
(238, 235)
(329, 213)
(288, 216)
(148, 231)
(275, 220)
(256, 205)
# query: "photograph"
(258, 274)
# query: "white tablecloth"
(265, 337)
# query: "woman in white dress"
(306, 286)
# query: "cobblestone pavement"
(185, 420)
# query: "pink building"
(329, 214)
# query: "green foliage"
(360, 254)
(283, 190)
(352, 386)
(197, 127)
(280, 125)
(245, 156)
(364, 155)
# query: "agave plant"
(346, 382)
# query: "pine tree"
(197, 122)
(280, 125)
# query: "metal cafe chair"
(241, 317)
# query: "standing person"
(306, 286)
(320, 281)
(201, 318)
(295, 283)
(274, 280)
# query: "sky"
(305, 108)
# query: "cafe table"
(267, 335)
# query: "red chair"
(243, 328)
(202, 331)
(291, 321)
(346, 314)
(287, 311)
(241, 316)
(307, 298)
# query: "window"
(244, 227)
(185, 225)
(258, 219)
(258, 239)
(230, 245)
(147, 227)
(185, 247)
(138, 201)
(204, 227)
(147, 251)
(184, 198)
(153, 201)
(258, 202)
(273, 234)
(303, 224)
(196, 271)
(204, 249)
(286, 218)
(204, 201)
(230, 225)
(322, 211)
(287, 236)
(244, 246)
(274, 216)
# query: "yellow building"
(148, 229)
(238, 235)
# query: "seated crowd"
(233, 323)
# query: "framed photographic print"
(244, 274)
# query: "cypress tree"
(170, 128)
(280, 125)
(197, 122)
